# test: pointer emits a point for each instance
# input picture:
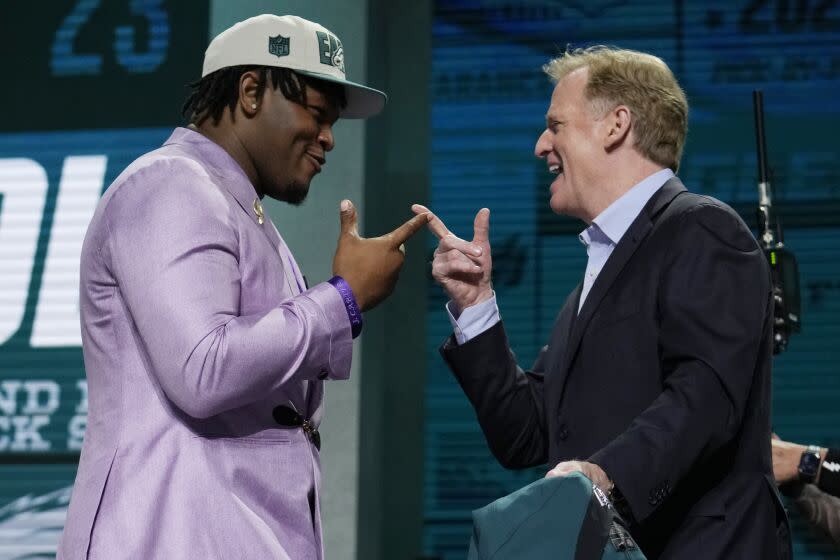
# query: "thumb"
(348, 218)
(481, 226)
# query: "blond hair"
(643, 83)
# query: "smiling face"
(289, 142)
(573, 148)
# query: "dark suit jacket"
(662, 379)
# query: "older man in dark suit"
(655, 381)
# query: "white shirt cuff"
(474, 320)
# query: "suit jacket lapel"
(294, 278)
(632, 239)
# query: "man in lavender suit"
(205, 351)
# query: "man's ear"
(617, 124)
(249, 83)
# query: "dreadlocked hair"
(219, 90)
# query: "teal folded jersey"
(562, 518)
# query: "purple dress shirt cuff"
(330, 310)
(353, 311)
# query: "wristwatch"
(809, 464)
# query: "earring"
(253, 105)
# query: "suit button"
(655, 496)
(563, 432)
(323, 374)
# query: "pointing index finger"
(412, 226)
(436, 225)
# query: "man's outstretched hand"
(462, 268)
(371, 266)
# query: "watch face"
(808, 464)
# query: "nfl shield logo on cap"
(278, 46)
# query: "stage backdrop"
(89, 88)
(94, 84)
(489, 101)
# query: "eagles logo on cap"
(332, 52)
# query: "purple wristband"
(353, 311)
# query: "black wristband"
(830, 473)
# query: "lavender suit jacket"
(195, 325)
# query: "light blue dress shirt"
(600, 239)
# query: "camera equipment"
(785, 272)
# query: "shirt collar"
(593, 234)
(613, 222)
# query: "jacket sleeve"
(715, 308)
(174, 250)
(507, 400)
(820, 510)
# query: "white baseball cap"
(295, 43)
